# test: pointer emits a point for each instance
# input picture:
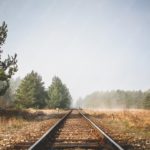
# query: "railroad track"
(75, 131)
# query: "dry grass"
(15, 119)
(25, 126)
(128, 126)
(128, 118)
(11, 123)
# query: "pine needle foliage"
(31, 92)
(8, 66)
(58, 93)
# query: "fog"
(112, 100)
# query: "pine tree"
(8, 66)
(146, 102)
(59, 96)
(31, 92)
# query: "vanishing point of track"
(75, 131)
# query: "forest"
(31, 93)
(116, 99)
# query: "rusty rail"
(38, 143)
(110, 140)
(49, 136)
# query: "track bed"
(74, 131)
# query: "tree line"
(31, 93)
(116, 99)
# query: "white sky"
(90, 44)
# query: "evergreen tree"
(147, 101)
(59, 96)
(114, 99)
(31, 92)
(8, 98)
(8, 66)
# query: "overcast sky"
(90, 44)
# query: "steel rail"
(102, 132)
(37, 144)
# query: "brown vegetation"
(23, 128)
(130, 128)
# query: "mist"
(115, 99)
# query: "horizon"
(90, 45)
